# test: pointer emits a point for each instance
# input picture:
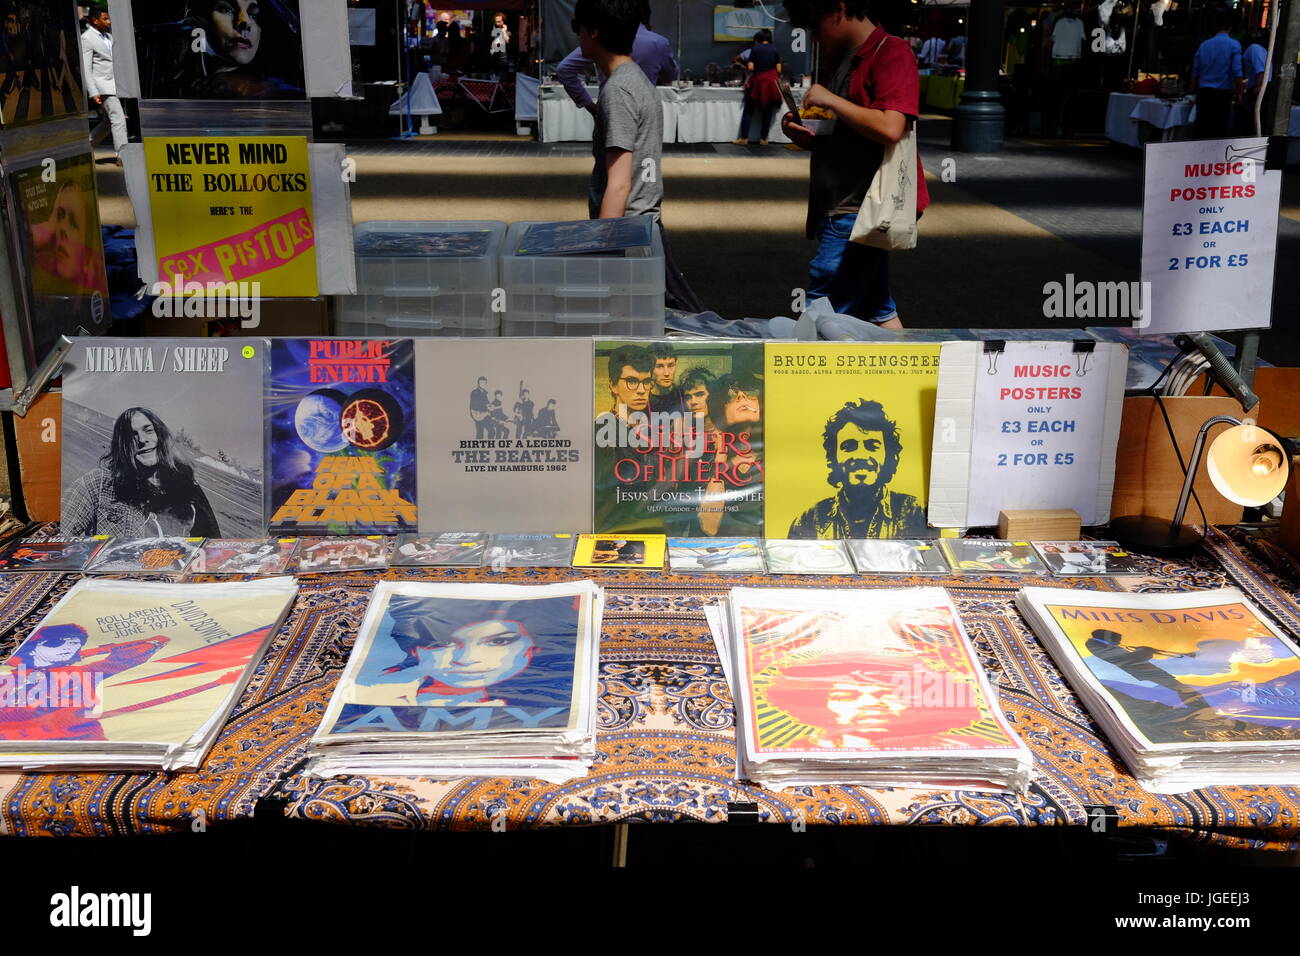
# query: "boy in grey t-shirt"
(628, 140)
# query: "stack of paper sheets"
(874, 688)
(129, 675)
(468, 680)
(1195, 689)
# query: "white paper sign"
(1001, 419)
(1209, 235)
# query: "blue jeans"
(853, 276)
(765, 121)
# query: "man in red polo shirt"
(873, 90)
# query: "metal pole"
(1289, 41)
(978, 120)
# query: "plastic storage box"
(595, 294)
(423, 278)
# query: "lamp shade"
(1247, 465)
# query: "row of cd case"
(181, 556)
(252, 556)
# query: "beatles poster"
(504, 434)
(679, 437)
(219, 49)
(121, 662)
(341, 437)
(62, 249)
(434, 661)
(233, 209)
(40, 61)
(163, 438)
(850, 428)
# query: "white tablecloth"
(1126, 111)
(698, 114)
(1163, 114)
(1120, 125)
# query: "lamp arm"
(1193, 464)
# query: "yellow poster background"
(226, 220)
(176, 720)
(802, 398)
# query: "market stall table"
(695, 114)
(943, 91)
(1125, 112)
(666, 747)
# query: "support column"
(979, 117)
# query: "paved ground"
(1009, 222)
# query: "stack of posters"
(872, 688)
(125, 675)
(449, 680)
(49, 554)
(1193, 690)
(1086, 558)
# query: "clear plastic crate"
(428, 258)
(388, 316)
(583, 294)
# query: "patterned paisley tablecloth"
(666, 742)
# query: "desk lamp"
(1247, 464)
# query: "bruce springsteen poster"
(341, 436)
(505, 434)
(853, 427)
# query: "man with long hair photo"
(143, 487)
(862, 449)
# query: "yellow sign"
(233, 210)
(848, 437)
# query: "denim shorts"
(853, 276)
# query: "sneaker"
(762, 142)
(740, 142)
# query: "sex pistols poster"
(233, 209)
(341, 439)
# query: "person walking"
(97, 68)
(874, 92)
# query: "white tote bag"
(887, 217)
